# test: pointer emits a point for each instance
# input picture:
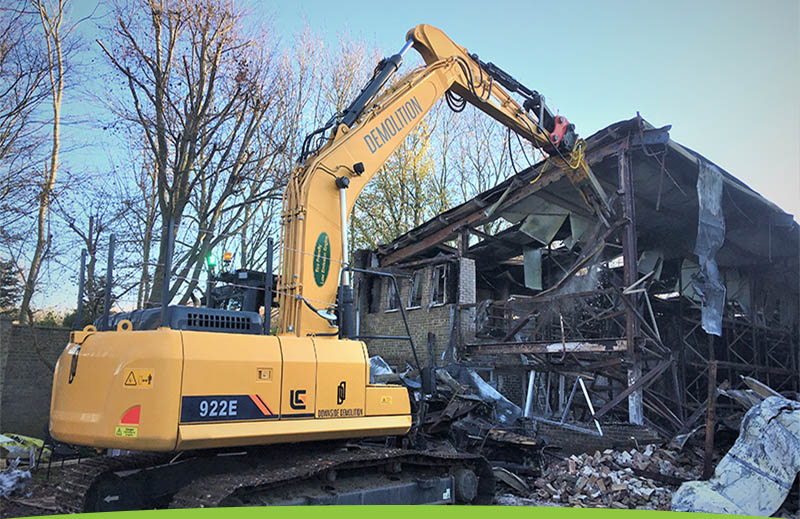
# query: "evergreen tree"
(10, 287)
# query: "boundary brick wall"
(25, 379)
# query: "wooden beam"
(649, 137)
(687, 425)
(478, 217)
(602, 364)
(711, 420)
(475, 218)
(547, 347)
(579, 264)
(746, 368)
(647, 379)
(441, 258)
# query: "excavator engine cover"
(213, 382)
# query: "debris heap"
(617, 479)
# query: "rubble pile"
(13, 479)
(617, 479)
(756, 475)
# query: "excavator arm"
(323, 189)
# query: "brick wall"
(467, 291)
(421, 320)
(25, 377)
(615, 436)
(510, 383)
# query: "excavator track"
(78, 481)
(275, 481)
(286, 474)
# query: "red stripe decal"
(265, 404)
(258, 403)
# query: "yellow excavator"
(194, 395)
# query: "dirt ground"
(38, 497)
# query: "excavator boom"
(323, 189)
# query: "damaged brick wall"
(25, 378)
(615, 436)
(422, 319)
(512, 384)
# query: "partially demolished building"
(690, 286)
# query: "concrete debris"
(512, 500)
(506, 412)
(24, 447)
(757, 474)
(679, 441)
(13, 480)
(616, 479)
(763, 390)
(459, 395)
(747, 398)
(467, 414)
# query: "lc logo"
(297, 398)
(341, 392)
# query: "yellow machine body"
(165, 390)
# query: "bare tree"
(403, 194)
(23, 69)
(303, 80)
(52, 20)
(483, 154)
(207, 99)
(86, 215)
(140, 212)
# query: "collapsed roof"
(539, 207)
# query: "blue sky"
(724, 74)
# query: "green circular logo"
(322, 259)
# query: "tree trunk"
(158, 274)
(51, 28)
(42, 240)
(144, 280)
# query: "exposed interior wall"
(375, 318)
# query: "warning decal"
(126, 432)
(140, 378)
